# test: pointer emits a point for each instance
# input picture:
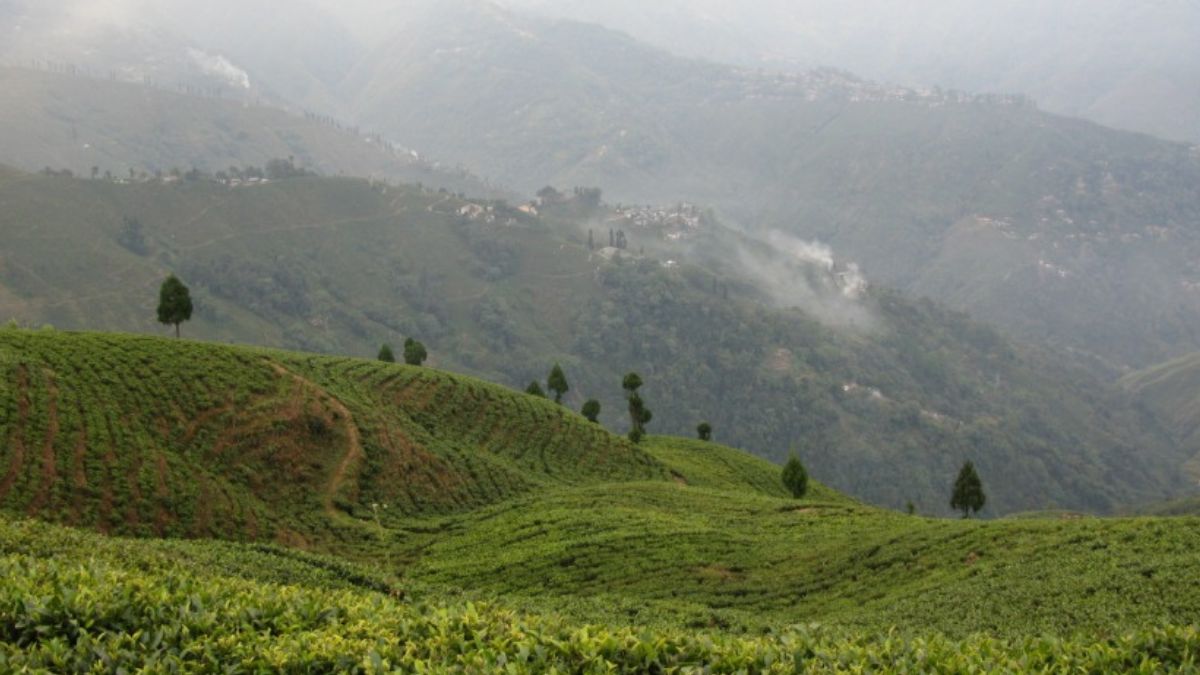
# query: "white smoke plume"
(808, 277)
(215, 65)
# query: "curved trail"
(354, 450)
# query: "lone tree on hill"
(968, 491)
(414, 352)
(591, 410)
(535, 389)
(174, 303)
(557, 383)
(704, 431)
(795, 477)
(386, 355)
(639, 414)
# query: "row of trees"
(415, 353)
(639, 414)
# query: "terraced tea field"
(462, 526)
(77, 602)
(147, 437)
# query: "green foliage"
(704, 431)
(385, 354)
(154, 437)
(174, 303)
(535, 389)
(507, 496)
(968, 493)
(591, 410)
(795, 477)
(190, 607)
(278, 267)
(639, 417)
(631, 383)
(557, 383)
(414, 352)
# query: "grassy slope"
(661, 553)
(78, 602)
(495, 493)
(138, 435)
(339, 266)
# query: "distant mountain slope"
(1172, 391)
(61, 121)
(1124, 63)
(1059, 229)
(886, 410)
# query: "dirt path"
(78, 473)
(17, 446)
(354, 450)
(49, 457)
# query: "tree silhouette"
(386, 355)
(968, 494)
(174, 303)
(591, 410)
(795, 477)
(414, 352)
(557, 383)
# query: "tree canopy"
(414, 352)
(968, 494)
(591, 410)
(557, 383)
(795, 477)
(174, 303)
(385, 354)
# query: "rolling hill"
(141, 436)
(204, 605)
(438, 504)
(887, 410)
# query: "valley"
(474, 336)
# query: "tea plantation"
(377, 518)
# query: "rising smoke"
(805, 275)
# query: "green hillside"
(434, 492)
(148, 437)
(70, 122)
(205, 606)
(886, 411)
(1172, 391)
(1059, 229)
